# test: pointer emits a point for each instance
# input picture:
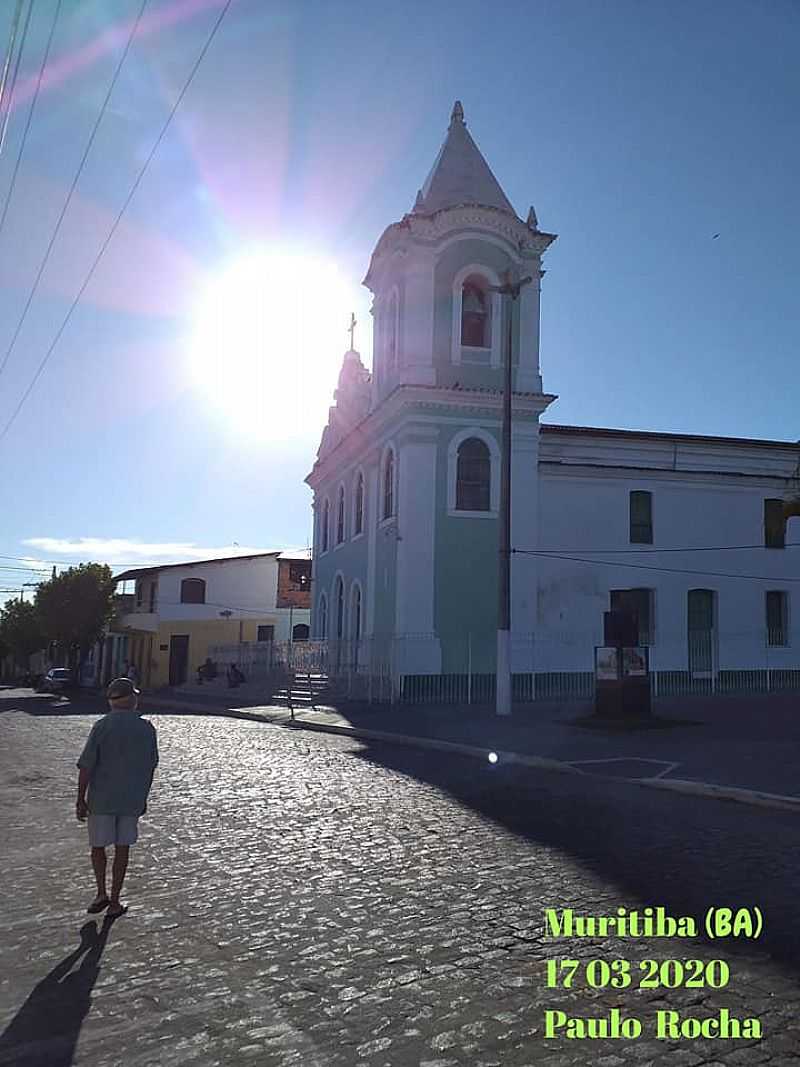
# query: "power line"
(15, 75)
(663, 570)
(29, 119)
(72, 188)
(117, 221)
(10, 51)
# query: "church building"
(685, 530)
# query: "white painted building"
(686, 530)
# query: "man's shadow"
(45, 1030)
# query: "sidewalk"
(734, 747)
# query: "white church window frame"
(322, 621)
(391, 321)
(384, 518)
(325, 527)
(341, 516)
(495, 315)
(494, 473)
(359, 481)
(339, 607)
(355, 633)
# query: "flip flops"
(115, 910)
(98, 905)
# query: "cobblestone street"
(307, 899)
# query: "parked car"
(57, 680)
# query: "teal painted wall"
(465, 594)
(385, 579)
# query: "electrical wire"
(661, 570)
(72, 188)
(14, 76)
(29, 119)
(10, 51)
(116, 222)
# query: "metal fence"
(546, 665)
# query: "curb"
(753, 797)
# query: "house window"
(641, 517)
(639, 603)
(777, 617)
(323, 618)
(388, 485)
(326, 514)
(475, 313)
(299, 575)
(774, 524)
(340, 518)
(339, 609)
(359, 515)
(300, 632)
(139, 594)
(265, 633)
(355, 620)
(473, 475)
(193, 591)
(153, 590)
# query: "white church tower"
(407, 479)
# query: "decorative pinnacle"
(457, 115)
(532, 222)
(419, 203)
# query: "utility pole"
(503, 685)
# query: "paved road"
(306, 899)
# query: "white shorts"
(113, 830)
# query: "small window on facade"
(388, 485)
(323, 618)
(153, 589)
(475, 314)
(639, 603)
(300, 575)
(139, 594)
(340, 518)
(777, 617)
(473, 475)
(774, 524)
(265, 633)
(339, 609)
(641, 517)
(359, 515)
(193, 591)
(300, 632)
(326, 515)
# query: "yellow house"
(179, 611)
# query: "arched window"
(359, 512)
(340, 517)
(322, 627)
(473, 476)
(339, 608)
(388, 485)
(300, 632)
(193, 591)
(355, 616)
(326, 518)
(475, 305)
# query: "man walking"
(116, 766)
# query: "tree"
(21, 630)
(75, 606)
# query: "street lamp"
(503, 687)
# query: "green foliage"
(20, 629)
(75, 606)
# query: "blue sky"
(638, 131)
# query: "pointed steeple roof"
(460, 174)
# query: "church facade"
(407, 481)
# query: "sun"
(267, 341)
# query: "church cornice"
(430, 229)
(427, 400)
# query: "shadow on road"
(683, 853)
(80, 703)
(45, 1030)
